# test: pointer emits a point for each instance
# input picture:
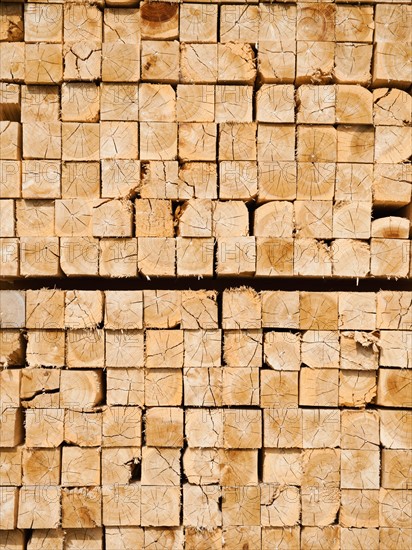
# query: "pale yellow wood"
(10, 140)
(393, 309)
(83, 428)
(41, 466)
(274, 219)
(82, 60)
(360, 469)
(199, 62)
(160, 180)
(359, 508)
(238, 180)
(394, 537)
(156, 256)
(354, 182)
(39, 256)
(164, 427)
(321, 428)
(390, 257)
(10, 181)
(274, 256)
(195, 256)
(34, 217)
(316, 180)
(194, 218)
(122, 538)
(239, 23)
(121, 24)
(320, 349)
(392, 144)
(350, 258)
(352, 220)
(44, 427)
(198, 23)
(121, 505)
(233, 103)
(392, 185)
(80, 102)
(387, 71)
(122, 427)
(120, 62)
(119, 464)
(11, 352)
(277, 59)
(235, 63)
(79, 256)
(160, 61)
(360, 430)
(197, 141)
(360, 538)
(316, 104)
(202, 539)
(39, 507)
(316, 144)
(230, 217)
(13, 61)
(394, 387)
(89, 539)
(201, 506)
(35, 387)
(283, 537)
(395, 428)
(11, 473)
(353, 105)
(240, 386)
(280, 506)
(321, 387)
(81, 389)
(355, 23)
(314, 61)
(203, 348)
(353, 63)
(80, 180)
(391, 107)
(313, 219)
(158, 140)
(237, 141)
(327, 536)
(41, 179)
(81, 507)
(82, 22)
(202, 386)
(43, 23)
(195, 103)
(45, 348)
(43, 63)
(162, 308)
(392, 227)
(236, 256)
(395, 467)
(282, 428)
(276, 143)
(10, 499)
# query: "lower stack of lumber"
(203, 420)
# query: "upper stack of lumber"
(197, 420)
(205, 139)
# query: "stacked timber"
(193, 419)
(204, 140)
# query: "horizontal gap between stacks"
(314, 284)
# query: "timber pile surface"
(218, 140)
(191, 139)
(169, 420)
